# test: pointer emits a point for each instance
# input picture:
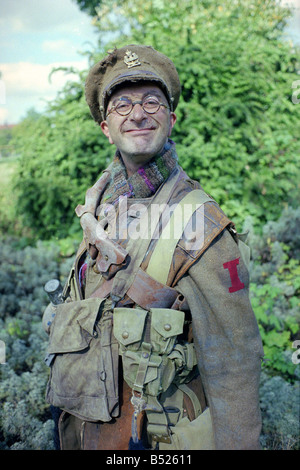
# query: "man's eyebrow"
(155, 93)
(152, 93)
(119, 98)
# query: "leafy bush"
(6, 149)
(275, 289)
(25, 419)
(61, 154)
(280, 411)
(237, 128)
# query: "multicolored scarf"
(145, 181)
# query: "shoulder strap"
(161, 258)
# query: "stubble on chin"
(140, 154)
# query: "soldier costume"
(156, 344)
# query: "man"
(156, 345)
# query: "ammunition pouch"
(191, 435)
(85, 367)
(156, 365)
(151, 354)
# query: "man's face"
(139, 136)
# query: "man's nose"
(137, 113)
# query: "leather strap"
(104, 290)
(148, 293)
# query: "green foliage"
(6, 149)
(280, 409)
(88, 6)
(276, 334)
(24, 423)
(62, 154)
(25, 420)
(9, 222)
(275, 289)
(237, 128)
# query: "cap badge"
(131, 59)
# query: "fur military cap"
(132, 63)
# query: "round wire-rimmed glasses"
(125, 105)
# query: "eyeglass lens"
(125, 105)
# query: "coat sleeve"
(227, 342)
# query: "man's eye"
(151, 101)
(122, 106)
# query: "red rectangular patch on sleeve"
(236, 283)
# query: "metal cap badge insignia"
(131, 59)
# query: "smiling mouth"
(140, 131)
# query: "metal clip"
(49, 359)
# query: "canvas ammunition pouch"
(87, 336)
(152, 356)
(84, 371)
(156, 365)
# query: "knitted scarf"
(145, 181)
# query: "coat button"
(103, 375)
(125, 334)
(167, 327)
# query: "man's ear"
(173, 119)
(105, 130)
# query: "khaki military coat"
(214, 281)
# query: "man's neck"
(133, 163)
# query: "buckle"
(165, 439)
(159, 433)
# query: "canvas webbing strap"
(193, 397)
(137, 249)
(161, 258)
